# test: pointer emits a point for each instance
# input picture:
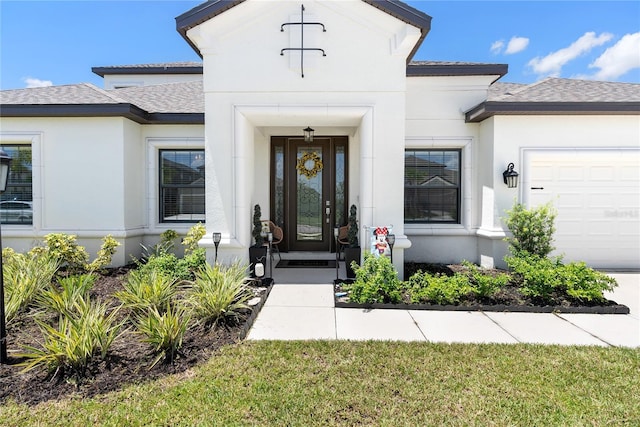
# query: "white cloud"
(32, 82)
(497, 46)
(619, 58)
(516, 44)
(552, 64)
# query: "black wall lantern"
(510, 177)
(308, 134)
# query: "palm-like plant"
(164, 331)
(83, 333)
(218, 293)
(25, 276)
(144, 290)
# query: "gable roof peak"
(213, 8)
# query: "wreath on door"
(309, 164)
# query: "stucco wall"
(358, 90)
(91, 178)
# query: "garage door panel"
(597, 196)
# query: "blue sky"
(57, 42)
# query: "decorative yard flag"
(379, 244)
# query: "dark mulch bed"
(128, 361)
(508, 298)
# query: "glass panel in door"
(312, 206)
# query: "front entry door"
(309, 190)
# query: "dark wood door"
(308, 190)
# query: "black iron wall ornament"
(302, 49)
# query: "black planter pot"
(351, 254)
(256, 255)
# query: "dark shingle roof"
(558, 96)
(83, 93)
(185, 97)
(171, 103)
(568, 90)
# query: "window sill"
(437, 230)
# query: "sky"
(58, 42)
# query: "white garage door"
(597, 196)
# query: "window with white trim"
(16, 203)
(432, 186)
(181, 192)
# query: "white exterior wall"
(358, 90)
(513, 136)
(90, 180)
(435, 120)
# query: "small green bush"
(74, 257)
(586, 284)
(218, 293)
(376, 282)
(541, 277)
(65, 249)
(483, 284)
(164, 330)
(190, 241)
(438, 289)
(105, 254)
(532, 229)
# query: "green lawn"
(372, 383)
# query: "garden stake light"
(216, 241)
(5, 165)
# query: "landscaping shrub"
(63, 297)
(586, 284)
(218, 293)
(105, 254)
(538, 276)
(438, 289)
(483, 284)
(541, 277)
(145, 290)
(83, 333)
(376, 282)
(532, 229)
(25, 276)
(73, 257)
(163, 330)
(164, 246)
(190, 241)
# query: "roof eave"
(102, 71)
(128, 111)
(200, 14)
(492, 108)
(442, 70)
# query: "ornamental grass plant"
(218, 293)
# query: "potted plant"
(352, 251)
(257, 252)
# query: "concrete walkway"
(296, 311)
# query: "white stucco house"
(417, 145)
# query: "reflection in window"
(16, 204)
(182, 186)
(432, 186)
